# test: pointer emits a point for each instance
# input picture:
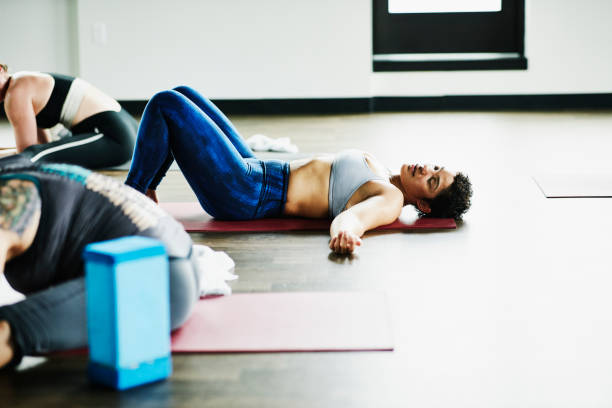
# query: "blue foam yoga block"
(128, 311)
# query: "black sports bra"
(49, 116)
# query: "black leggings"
(105, 139)
(54, 319)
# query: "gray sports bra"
(349, 171)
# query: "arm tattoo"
(19, 203)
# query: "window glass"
(443, 6)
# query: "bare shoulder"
(380, 194)
(26, 83)
(379, 204)
(376, 165)
(19, 94)
(25, 93)
(369, 156)
(20, 206)
(391, 194)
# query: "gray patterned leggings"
(54, 319)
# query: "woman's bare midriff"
(308, 190)
(307, 193)
(94, 101)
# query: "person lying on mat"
(48, 213)
(352, 188)
(103, 134)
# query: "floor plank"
(511, 309)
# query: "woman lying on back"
(352, 188)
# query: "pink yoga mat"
(282, 322)
(194, 219)
(294, 321)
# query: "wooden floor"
(513, 309)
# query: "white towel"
(262, 143)
(215, 268)
(58, 132)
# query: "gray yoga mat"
(575, 185)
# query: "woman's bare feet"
(152, 194)
(6, 348)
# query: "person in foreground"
(103, 134)
(352, 188)
(48, 214)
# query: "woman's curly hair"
(453, 201)
(4, 66)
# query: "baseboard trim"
(494, 102)
(402, 103)
(398, 103)
(277, 106)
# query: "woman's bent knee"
(184, 89)
(169, 97)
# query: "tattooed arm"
(19, 217)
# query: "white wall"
(242, 49)
(38, 35)
(230, 48)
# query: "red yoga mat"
(280, 322)
(194, 219)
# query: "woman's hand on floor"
(6, 347)
(344, 242)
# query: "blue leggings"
(229, 182)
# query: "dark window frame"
(460, 32)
